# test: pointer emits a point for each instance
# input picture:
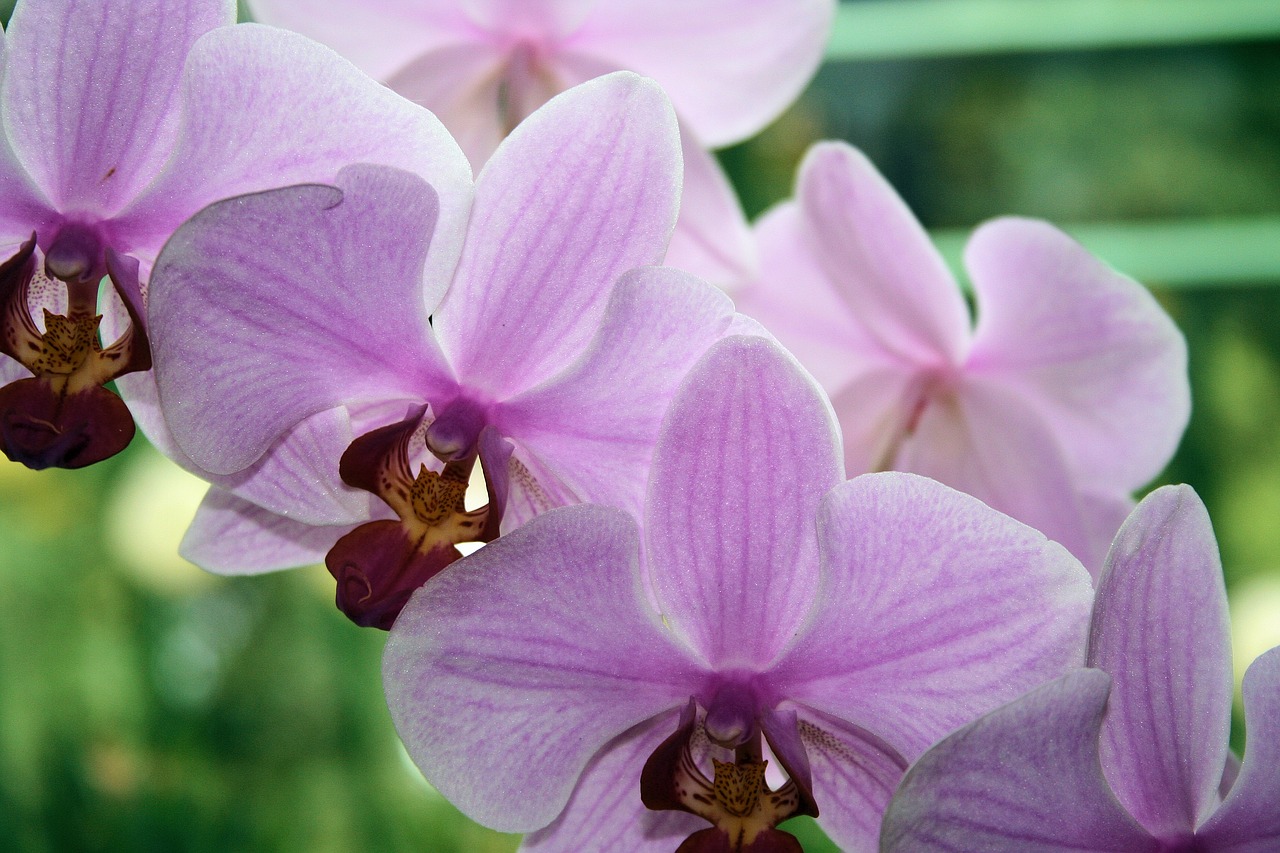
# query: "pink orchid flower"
(580, 676)
(1068, 393)
(729, 66)
(1130, 755)
(122, 118)
(348, 402)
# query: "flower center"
(736, 801)
(61, 416)
(380, 564)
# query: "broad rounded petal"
(879, 257)
(265, 108)
(985, 440)
(231, 536)
(1090, 348)
(298, 475)
(854, 775)
(583, 190)
(595, 425)
(512, 668)
(309, 296)
(1023, 779)
(731, 66)
(380, 37)
(91, 92)
(1249, 819)
(748, 448)
(934, 609)
(712, 239)
(462, 85)
(605, 812)
(1161, 630)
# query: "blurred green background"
(147, 706)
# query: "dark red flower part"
(379, 565)
(62, 417)
(736, 800)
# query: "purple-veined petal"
(605, 812)
(747, 450)
(91, 92)
(1160, 630)
(271, 307)
(730, 66)
(298, 475)
(594, 426)
(934, 609)
(880, 259)
(508, 671)
(854, 775)
(712, 239)
(379, 36)
(24, 208)
(1025, 778)
(265, 108)
(982, 439)
(1088, 347)
(1248, 821)
(231, 536)
(585, 189)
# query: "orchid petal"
(25, 208)
(342, 320)
(1160, 630)
(231, 536)
(983, 439)
(1248, 821)
(854, 775)
(379, 38)
(712, 239)
(880, 258)
(748, 448)
(585, 189)
(532, 489)
(1090, 348)
(461, 84)
(91, 92)
(1025, 778)
(797, 301)
(298, 475)
(605, 811)
(730, 66)
(958, 609)
(508, 671)
(266, 108)
(594, 426)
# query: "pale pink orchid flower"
(1067, 394)
(482, 66)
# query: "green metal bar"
(1178, 255)
(899, 29)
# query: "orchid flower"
(1070, 393)
(482, 66)
(582, 668)
(1068, 767)
(122, 118)
(544, 354)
